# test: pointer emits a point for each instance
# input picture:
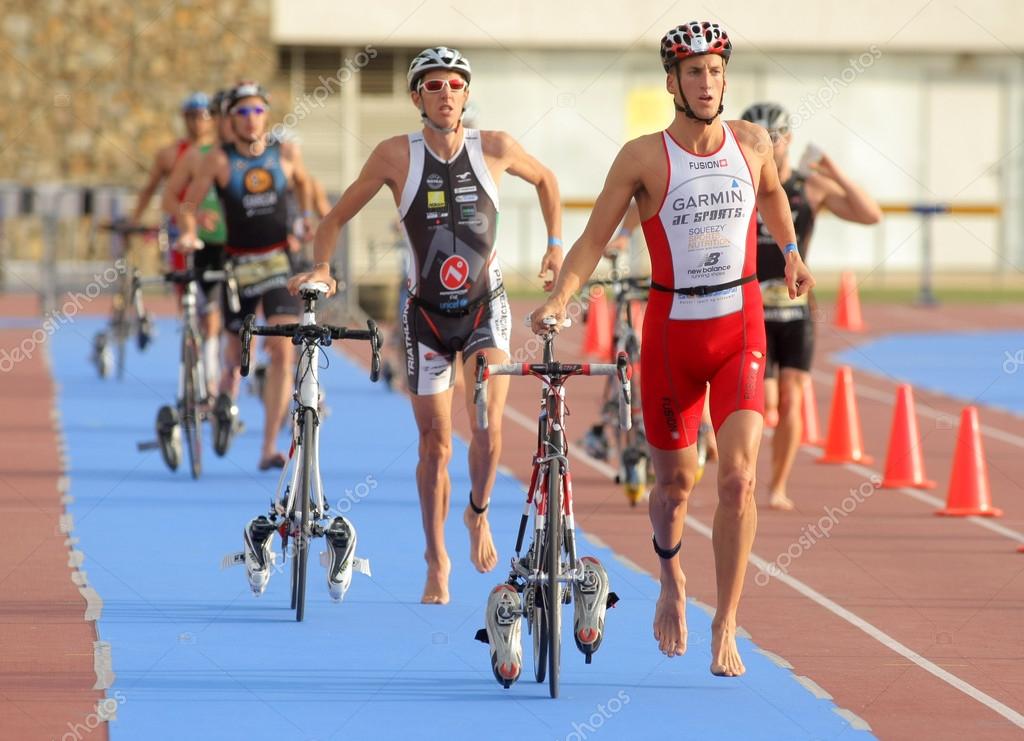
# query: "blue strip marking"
(196, 656)
(977, 367)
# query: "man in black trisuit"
(789, 327)
(444, 181)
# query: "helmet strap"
(685, 108)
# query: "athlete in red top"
(699, 186)
(195, 112)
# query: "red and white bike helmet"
(693, 39)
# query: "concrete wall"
(909, 127)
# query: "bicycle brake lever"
(625, 372)
(246, 338)
(375, 343)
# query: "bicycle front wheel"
(303, 499)
(553, 567)
(190, 403)
(119, 323)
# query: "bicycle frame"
(301, 503)
(544, 574)
(307, 398)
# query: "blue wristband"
(624, 232)
(791, 247)
(554, 242)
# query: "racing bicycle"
(545, 573)
(299, 512)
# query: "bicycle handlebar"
(124, 227)
(321, 334)
(621, 369)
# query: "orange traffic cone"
(844, 443)
(811, 434)
(969, 492)
(597, 341)
(904, 465)
(848, 305)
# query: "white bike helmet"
(437, 57)
(770, 116)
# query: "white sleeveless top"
(706, 231)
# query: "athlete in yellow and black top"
(789, 325)
(251, 176)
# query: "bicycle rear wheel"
(190, 402)
(303, 499)
(553, 558)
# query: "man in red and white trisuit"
(699, 187)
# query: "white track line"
(818, 598)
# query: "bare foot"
(436, 590)
(725, 657)
(779, 500)
(481, 546)
(670, 616)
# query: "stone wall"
(91, 88)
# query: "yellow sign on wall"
(648, 109)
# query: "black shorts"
(432, 339)
(270, 292)
(790, 345)
(211, 257)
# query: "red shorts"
(681, 357)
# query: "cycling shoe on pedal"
(504, 633)
(225, 420)
(595, 443)
(258, 554)
(591, 594)
(168, 435)
(341, 537)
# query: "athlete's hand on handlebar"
(320, 274)
(798, 277)
(550, 308)
(188, 243)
